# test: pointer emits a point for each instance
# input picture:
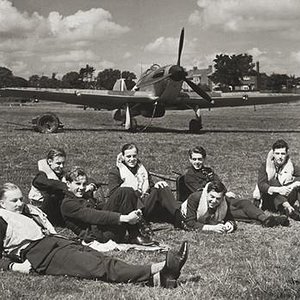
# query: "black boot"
(174, 263)
(135, 237)
(180, 221)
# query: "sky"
(58, 36)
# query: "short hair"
(129, 146)
(53, 152)
(198, 150)
(280, 144)
(7, 187)
(217, 186)
(74, 173)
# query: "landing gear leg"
(196, 124)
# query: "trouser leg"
(123, 200)
(291, 199)
(245, 209)
(84, 262)
(158, 200)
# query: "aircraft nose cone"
(177, 73)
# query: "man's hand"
(230, 195)
(160, 184)
(132, 218)
(229, 226)
(287, 206)
(90, 187)
(219, 228)
(24, 267)
(284, 190)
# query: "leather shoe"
(174, 263)
(295, 215)
(141, 240)
(180, 222)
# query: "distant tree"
(230, 70)
(107, 78)
(72, 80)
(86, 75)
(278, 82)
(6, 77)
(19, 82)
(34, 81)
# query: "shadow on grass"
(167, 130)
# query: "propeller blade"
(181, 40)
(127, 118)
(198, 90)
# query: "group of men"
(133, 202)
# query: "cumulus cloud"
(169, 45)
(255, 52)
(247, 16)
(61, 40)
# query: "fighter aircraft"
(158, 89)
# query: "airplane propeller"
(177, 73)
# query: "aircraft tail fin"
(120, 85)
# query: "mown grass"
(252, 263)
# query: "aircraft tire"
(195, 126)
(47, 123)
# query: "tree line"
(229, 72)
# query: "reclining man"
(29, 243)
(90, 222)
(208, 209)
(198, 175)
(279, 182)
(130, 179)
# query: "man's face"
(130, 157)
(197, 161)
(57, 164)
(214, 199)
(13, 201)
(280, 156)
(77, 186)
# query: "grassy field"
(252, 263)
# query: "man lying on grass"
(208, 210)
(198, 175)
(130, 179)
(279, 182)
(90, 222)
(29, 244)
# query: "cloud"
(255, 52)
(56, 41)
(169, 45)
(247, 16)
(127, 55)
(296, 56)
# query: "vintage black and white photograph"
(150, 149)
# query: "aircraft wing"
(236, 99)
(94, 98)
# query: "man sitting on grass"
(279, 182)
(198, 175)
(130, 179)
(90, 222)
(29, 244)
(47, 190)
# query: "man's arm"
(75, 209)
(41, 182)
